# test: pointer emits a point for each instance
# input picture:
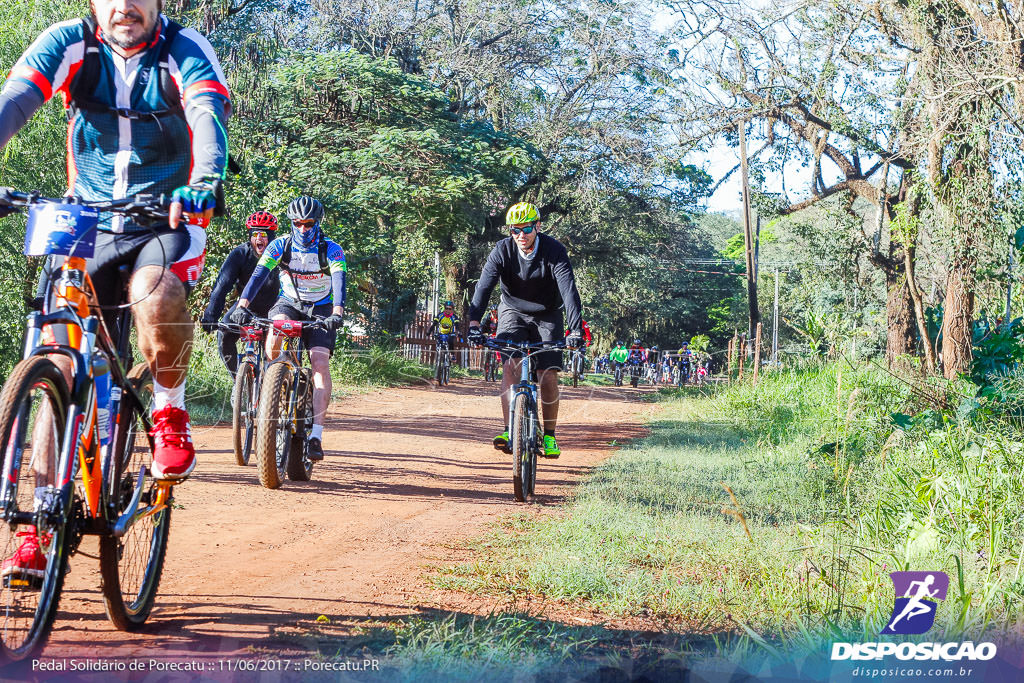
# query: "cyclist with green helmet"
(537, 282)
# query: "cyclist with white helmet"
(313, 274)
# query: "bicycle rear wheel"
(131, 566)
(522, 450)
(300, 468)
(274, 433)
(243, 412)
(33, 410)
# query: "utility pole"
(748, 237)
(775, 322)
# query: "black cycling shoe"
(314, 451)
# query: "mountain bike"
(683, 375)
(443, 362)
(576, 366)
(91, 429)
(284, 416)
(525, 431)
(246, 391)
(491, 364)
(618, 374)
(634, 373)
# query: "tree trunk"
(900, 318)
(957, 317)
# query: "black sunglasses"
(526, 229)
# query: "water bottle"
(101, 378)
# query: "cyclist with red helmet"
(233, 276)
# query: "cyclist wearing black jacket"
(233, 276)
(537, 282)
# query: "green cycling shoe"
(551, 447)
(501, 442)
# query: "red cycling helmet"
(261, 220)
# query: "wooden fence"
(418, 344)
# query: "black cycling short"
(312, 336)
(182, 251)
(517, 326)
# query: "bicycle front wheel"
(274, 427)
(131, 566)
(523, 453)
(33, 410)
(243, 412)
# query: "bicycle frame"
(80, 451)
(290, 354)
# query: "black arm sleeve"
(485, 285)
(566, 280)
(226, 281)
(18, 101)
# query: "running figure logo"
(914, 612)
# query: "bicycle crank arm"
(132, 514)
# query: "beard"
(130, 43)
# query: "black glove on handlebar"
(574, 340)
(241, 316)
(332, 323)
(209, 323)
(475, 336)
(5, 198)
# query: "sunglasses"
(526, 229)
(303, 224)
(258, 233)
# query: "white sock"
(168, 396)
(317, 432)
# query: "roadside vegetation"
(772, 514)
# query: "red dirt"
(408, 473)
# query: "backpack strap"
(168, 88)
(85, 83)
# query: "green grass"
(833, 494)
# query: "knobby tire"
(523, 453)
(26, 616)
(300, 468)
(273, 425)
(243, 425)
(131, 566)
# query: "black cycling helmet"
(305, 208)
(448, 304)
(637, 342)
(619, 342)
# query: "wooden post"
(742, 353)
(757, 352)
(729, 356)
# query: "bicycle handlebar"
(152, 206)
(508, 345)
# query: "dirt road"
(407, 472)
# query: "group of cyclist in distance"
(148, 104)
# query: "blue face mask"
(306, 239)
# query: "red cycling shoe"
(174, 457)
